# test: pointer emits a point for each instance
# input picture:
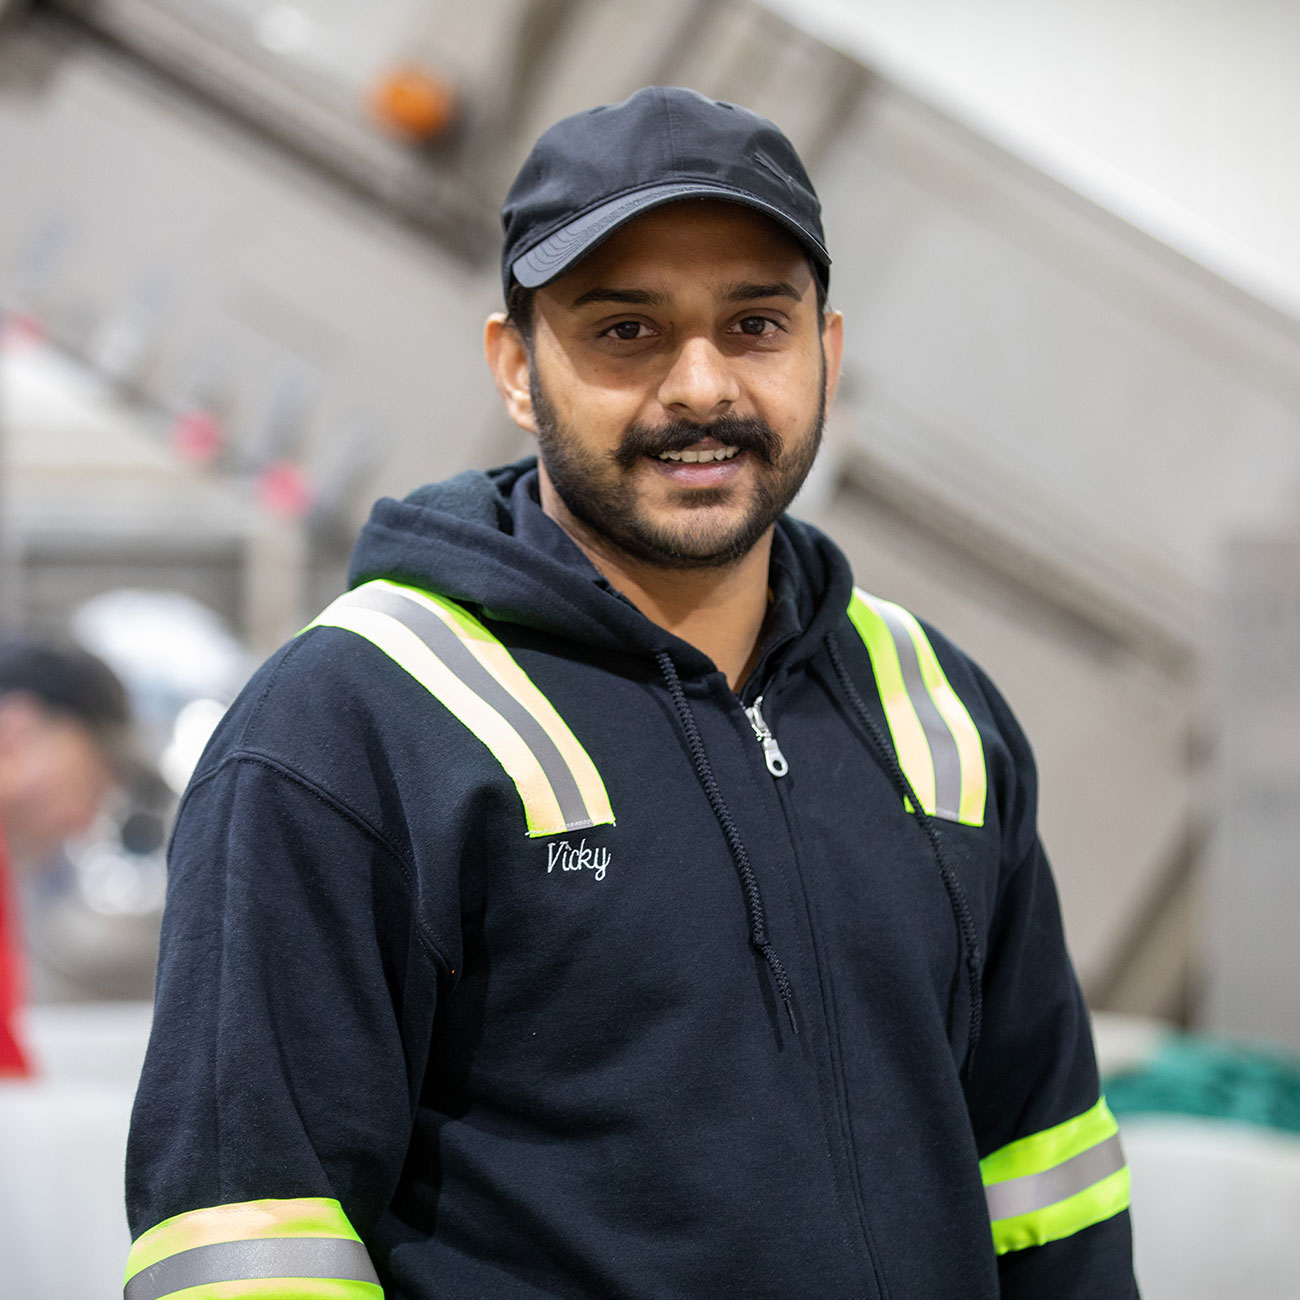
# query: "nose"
(699, 385)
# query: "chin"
(676, 545)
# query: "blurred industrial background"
(246, 249)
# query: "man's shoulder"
(323, 689)
(891, 628)
(930, 684)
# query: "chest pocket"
(462, 665)
(938, 746)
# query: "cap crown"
(590, 173)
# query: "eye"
(626, 330)
(757, 326)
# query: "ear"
(833, 345)
(507, 358)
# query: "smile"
(692, 457)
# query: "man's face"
(678, 383)
(53, 777)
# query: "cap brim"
(550, 259)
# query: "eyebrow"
(635, 297)
(746, 291)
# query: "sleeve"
(279, 1089)
(1053, 1169)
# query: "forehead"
(709, 242)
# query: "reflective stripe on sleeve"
(1055, 1183)
(937, 743)
(302, 1249)
(459, 662)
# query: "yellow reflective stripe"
(937, 743)
(1056, 1182)
(282, 1288)
(458, 661)
(242, 1221)
(541, 808)
(1052, 1146)
(970, 748)
(1102, 1201)
(904, 726)
(499, 662)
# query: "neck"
(720, 611)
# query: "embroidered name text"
(569, 857)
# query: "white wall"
(1177, 114)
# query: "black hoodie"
(749, 1035)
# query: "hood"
(457, 538)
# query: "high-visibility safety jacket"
(509, 953)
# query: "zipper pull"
(772, 755)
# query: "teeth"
(700, 457)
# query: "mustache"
(748, 433)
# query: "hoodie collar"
(483, 539)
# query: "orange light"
(414, 103)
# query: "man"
(601, 898)
(63, 716)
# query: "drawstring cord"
(888, 759)
(758, 937)
(956, 897)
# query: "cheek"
(595, 416)
(66, 782)
(591, 395)
(790, 404)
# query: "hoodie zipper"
(772, 755)
(838, 1130)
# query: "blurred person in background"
(603, 897)
(63, 724)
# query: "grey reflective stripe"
(943, 748)
(1038, 1191)
(444, 643)
(238, 1261)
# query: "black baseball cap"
(593, 172)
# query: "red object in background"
(196, 436)
(13, 1060)
(282, 489)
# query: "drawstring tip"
(789, 1011)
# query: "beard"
(703, 533)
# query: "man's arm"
(277, 1097)
(1054, 1173)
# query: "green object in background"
(1192, 1076)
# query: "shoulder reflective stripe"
(308, 1216)
(937, 743)
(285, 1260)
(454, 657)
(904, 726)
(973, 779)
(444, 639)
(1054, 1183)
